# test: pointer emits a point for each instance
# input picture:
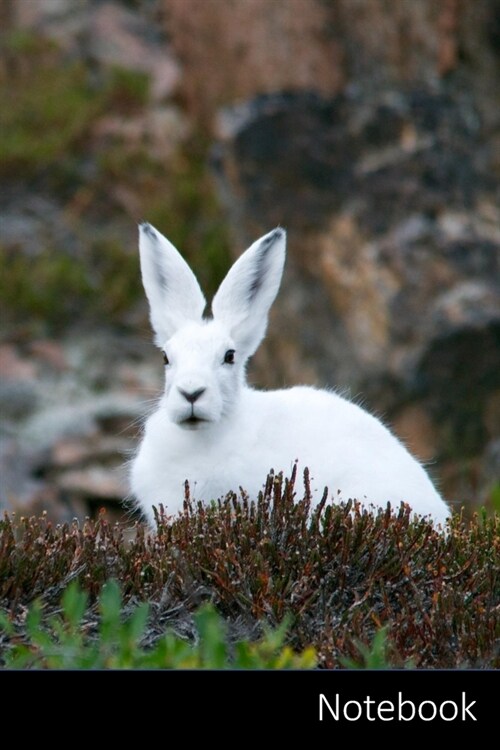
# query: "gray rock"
(20, 487)
(66, 454)
(18, 399)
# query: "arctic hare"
(215, 431)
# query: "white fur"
(245, 433)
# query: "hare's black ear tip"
(279, 235)
(147, 229)
(275, 235)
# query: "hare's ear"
(173, 292)
(249, 290)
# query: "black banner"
(318, 703)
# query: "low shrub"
(339, 573)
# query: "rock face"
(370, 129)
(232, 51)
(393, 277)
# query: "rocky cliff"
(371, 130)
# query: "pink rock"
(117, 38)
(50, 353)
(69, 452)
(77, 451)
(95, 481)
(13, 367)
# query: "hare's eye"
(165, 358)
(229, 357)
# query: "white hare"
(215, 431)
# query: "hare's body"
(214, 431)
(215, 460)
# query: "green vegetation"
(53, 287)
(373, 656)
(495, 497)
(360, 589)
(63, 140)
(53, 104)
(66, 643)
(50, 108)
(31, 286)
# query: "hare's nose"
(194, 395)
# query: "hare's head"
(205, 357)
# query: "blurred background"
(370, 129)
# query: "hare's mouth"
(193, 422)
